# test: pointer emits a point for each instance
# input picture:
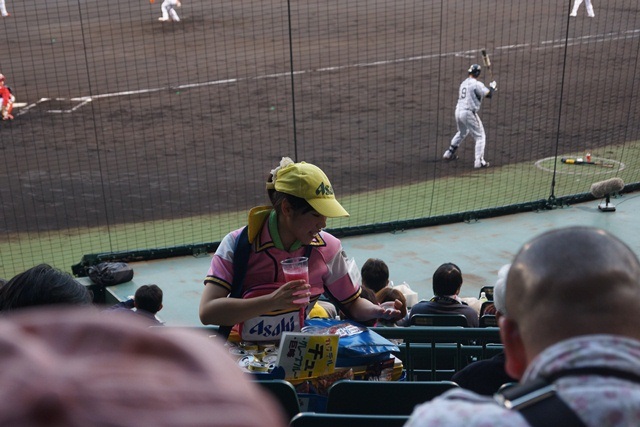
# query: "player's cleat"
(481, 164)
(573, 14)
(7, 117)
(161, 19)
(450, 154)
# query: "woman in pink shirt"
(302, 199)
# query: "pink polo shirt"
(328, 270)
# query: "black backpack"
(110, 273)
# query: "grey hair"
(500, 289)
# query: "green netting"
(147, 138)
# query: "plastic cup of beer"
(297, 269)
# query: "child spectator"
(147, 301)
(375, 274)
(387, 294)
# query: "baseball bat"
(571, 161)
(487, 62)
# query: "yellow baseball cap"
(308, 182)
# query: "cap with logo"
(308, 182)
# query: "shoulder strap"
(240, 260)
(537, 401)
(307, 251)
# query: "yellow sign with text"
(307, 356)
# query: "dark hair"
(148, 298)
(375, 274)
(391, 294)
(277, 198)
(42, 285)
(447, 279)
(368, 294)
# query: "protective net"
(155, 137)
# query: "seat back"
(316, 419)
(488, 320)
(487, 307)
(439, 320)
(382, 397)
(285, 393)
(488, 292)
(428, 351)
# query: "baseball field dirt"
(128, 120)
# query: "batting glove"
(493, 85)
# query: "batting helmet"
(474, 70)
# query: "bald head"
(573, 281)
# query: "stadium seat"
(439, 320)
(488, 320)
(488, 292)
(382, 397)
(315, 419)
(285, 393)
(487, 305)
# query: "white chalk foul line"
(581, 169)
(547, 44)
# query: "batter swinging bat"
(487, 62)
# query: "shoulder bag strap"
(240, 260)
(538, 402)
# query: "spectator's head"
(77, 368)
(388, 294)
(148, 298)
(367, 293)
(566, 283)
(375, 274)
(447, 280)
(42, 285)
(499, 290)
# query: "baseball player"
(576, 5)
(3, 9)
(6, 105)
(169, 13)
(470, 96)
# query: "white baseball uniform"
(470, 96)
(168, 8)
(576, 5)
(3, 8)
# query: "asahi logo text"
(325, 190)
(269, 329)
